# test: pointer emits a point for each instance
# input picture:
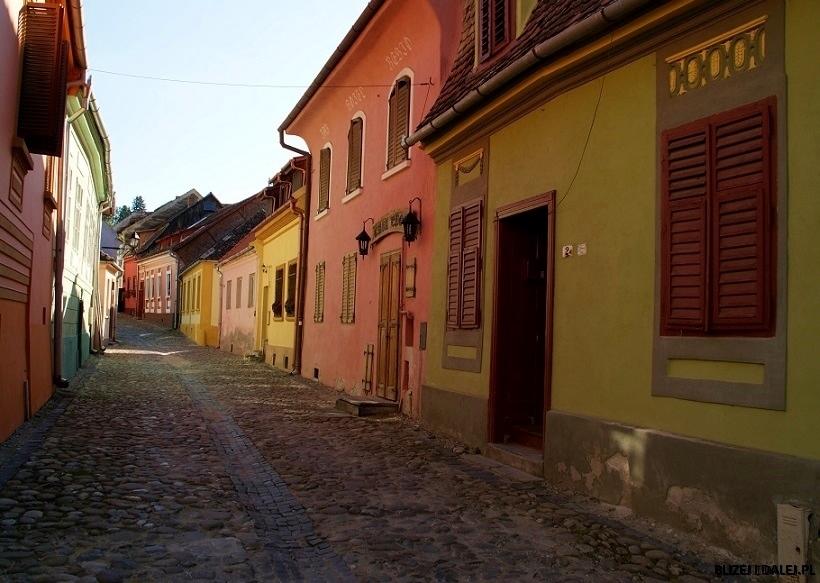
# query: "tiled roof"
(232, 238)
(548, 18)
(243, 244)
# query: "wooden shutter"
(685, 176)
(471, 267)
(742, 229)
(501, 22)
(348, 288)
(319, 295)
(354, 155)
(324, 179)
(398, 121)
(484, 15)
(454, 266)
(41, 111)
(290, 302)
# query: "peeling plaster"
(702, 511)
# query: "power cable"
(247, 85)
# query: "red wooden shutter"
(324, 179)
(685, 173)
(484, 18)
(741, 220)
(500, 22)
(41, 110)
(471, 267)
(354, 155)
(454, 267)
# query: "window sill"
(351, 195)
(396, 169)
(321, 214)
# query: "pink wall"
(238, 324)
(25, 344)
(404, 38)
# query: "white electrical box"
(792, 538)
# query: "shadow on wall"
(76, 331)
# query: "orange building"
(32, 133)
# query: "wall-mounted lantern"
(411, 222)
(364, 239)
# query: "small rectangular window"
(238, 292)
(228, 295)
(398, 120)
(251, 289)
(319, 294)
(290, 301)
(278, 292)
(354, 154)
(348, 314)
(495, 27)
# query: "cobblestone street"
(176, 462)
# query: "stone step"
(526, 459)
(366, 407)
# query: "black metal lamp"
(411, 222)
(364, 239)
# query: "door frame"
(546, 200)
(397, 356)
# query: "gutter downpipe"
(589, 26)
(304, 228)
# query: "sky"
(167, 138)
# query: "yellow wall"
(604, 301)
(196, 320)
(279, 244)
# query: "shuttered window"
(354, 154)
(278, 292)
(238, 292)
(398, 120)
(348, 289)
(464, 267)
(495, 26)
(324, 179)
(319, 294)
(290, 301)
(718, 230)
(41, 110)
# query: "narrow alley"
(177, 462)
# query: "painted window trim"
(352, 194)
(321, 215)
(396, 169)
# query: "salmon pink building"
(237, 293)
(364, 317)
(31, 142)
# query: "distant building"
(237, 274)
(109, 274)
(198, 255)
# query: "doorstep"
(520, 457)
(367, 407)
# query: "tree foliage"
(138, 205)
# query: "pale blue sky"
(168, 137)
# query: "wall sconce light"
(411, 222)
(364, 239)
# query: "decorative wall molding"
(736, 51)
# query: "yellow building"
(628, 298)
(278, 241)
(199, 318)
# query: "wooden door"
(387, 368)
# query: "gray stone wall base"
(462, 417)
(725, 494)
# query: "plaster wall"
(22, 232)
(404, 38)
(160, 297)
(238, 322)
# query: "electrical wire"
(246, 85)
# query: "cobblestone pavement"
(174, 463)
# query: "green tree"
(120, 214)
(138, 205)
